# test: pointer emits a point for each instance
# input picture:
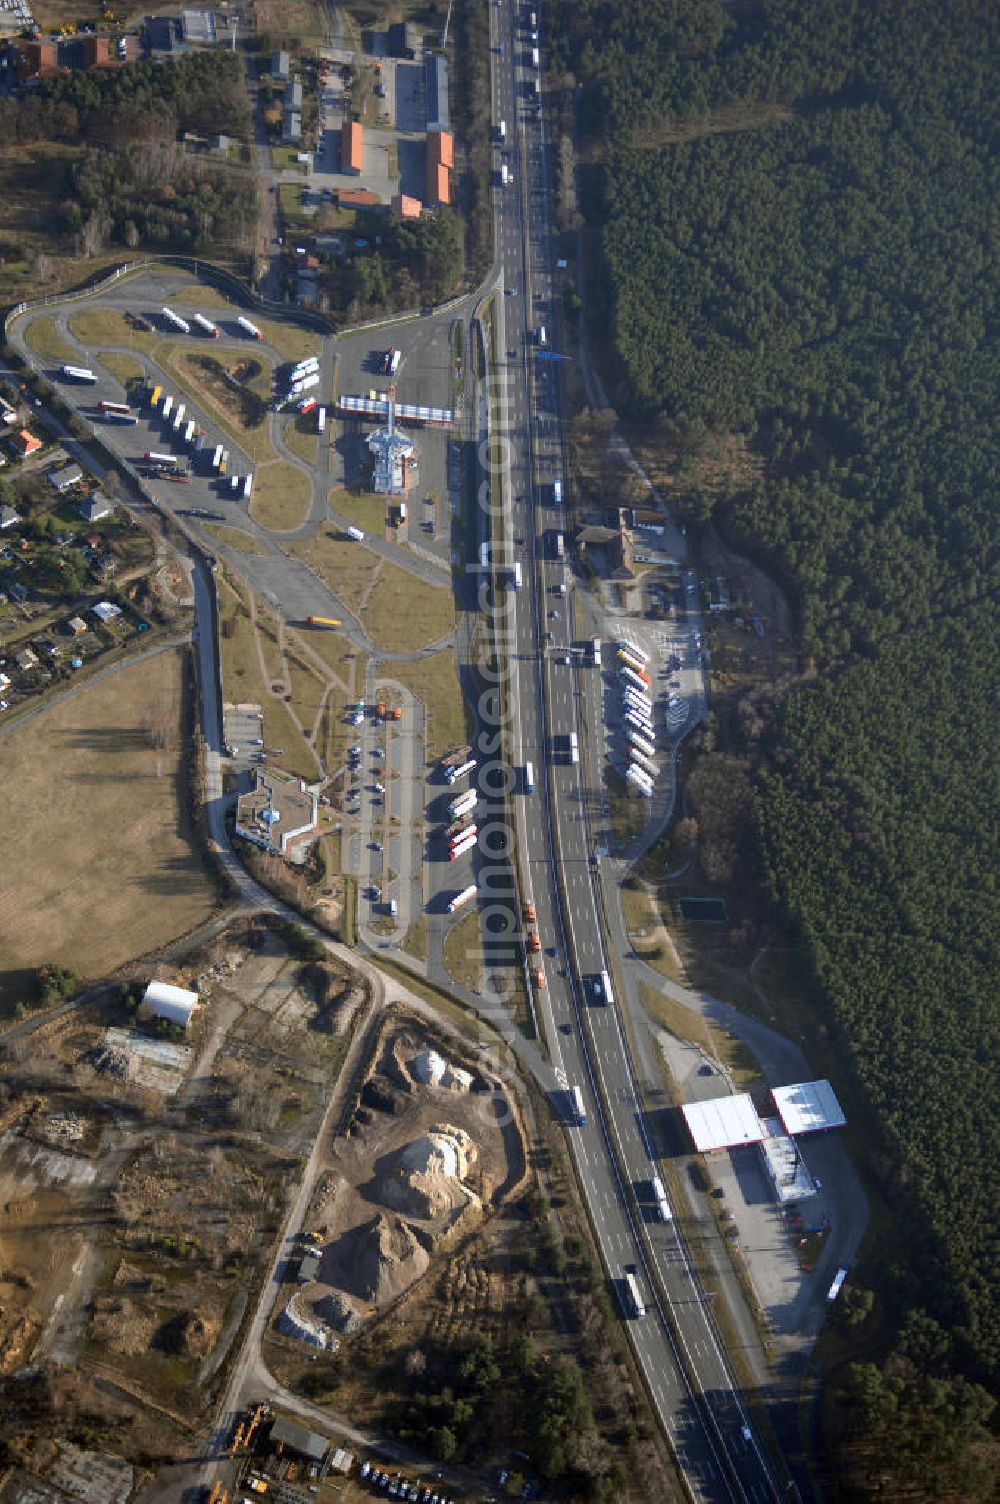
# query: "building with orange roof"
(356, 198)
(438, 184)
(24, 443)
(441, 148)
(36, 59)
(405, 207)
(352, 147)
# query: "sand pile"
(426, 1179)
(431, 1069)
(382, 1260)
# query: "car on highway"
(375, 846)
(746, 1433)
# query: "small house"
(106, 611)
(76, 626)
(24, 443)
(8, 517)
(405, 207)
(25, 659)
(65, 477)
(95, 508)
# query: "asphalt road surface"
(676, 1343)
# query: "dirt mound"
(188, 1334)
(340, 1312)
(17, 1338)
(123, 1326)
(426, 1178)
(380, 1259)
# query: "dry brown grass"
(107, 867)
(398, 611)
(281, 496)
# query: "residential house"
(24, 443)
(405, 207)
(95, 508)
(8, 517)
(65, 477)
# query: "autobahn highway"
(676, 1344)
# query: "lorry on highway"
(79, 373)
(217, 457)
(529, 778)
(320, 419)
(179, 416)
(390, 364)
(661, 1206)
(322, 621)
(462, 771)
(632, 1301)
(155, 395)
(174, 320)
(596, 647)
(121, 408)
(356, 534)
(504, 175)
(560, 544)
(247, 487)
(579, 1111)
(248, 328)
(121, 418)
(168, 407)
(502, 131)
(574, 748)
(557, 493)
(534, 944)
(516, 577)
(457, 826)
(455, 758)
(528, 909)
(466, 896)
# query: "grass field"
(398, 610)
(107, 867)
(178, 360)
(434, 681)
(42, 336)
(234, 538)
(124, 368)
(366, 511)
(463, 952)
(241, 680)
(301, 437)
(290, 343)
(106, 326)
(281, 496)
(404, 612)
(293, 23)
